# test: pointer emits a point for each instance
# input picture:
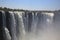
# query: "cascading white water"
(20, 26)
(13, 26)
(41, 26)
(30, 26)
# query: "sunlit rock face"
(29, 25)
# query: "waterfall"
(29, 25)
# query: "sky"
(31, 4)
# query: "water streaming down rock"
(29, 26)
(6, 32)
(20, 26)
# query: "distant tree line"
(9, 9)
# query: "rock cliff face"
(29, 25)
